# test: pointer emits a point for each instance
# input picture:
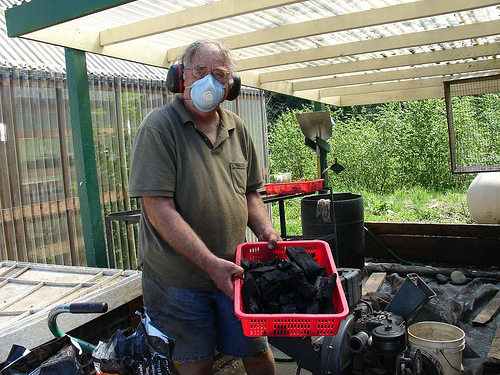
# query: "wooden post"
(86, 171)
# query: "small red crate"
(290, 325)
(294, 187)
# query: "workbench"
(28, 291)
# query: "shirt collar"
(178, 105)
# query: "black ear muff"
(175, 79)
(234, 90)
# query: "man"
(195, 168)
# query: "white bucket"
(443, 341)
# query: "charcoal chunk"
(287, 286)
(250, 292)
(325, 287)
(305, 261)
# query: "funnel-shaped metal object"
(315, 124)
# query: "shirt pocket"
(239, 177)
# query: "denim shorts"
(200, 322)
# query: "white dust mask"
(206, 93)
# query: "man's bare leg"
(202, 367)
(261, 365)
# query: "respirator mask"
(206, 93)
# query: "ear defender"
(234, 89)
(175, 80)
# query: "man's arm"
(180, 236)
(259, 221)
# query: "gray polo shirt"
(170, 157)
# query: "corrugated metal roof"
(276, 42)
(26, 53)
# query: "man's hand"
(222, 273)
(271, 237)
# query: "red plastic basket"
(294, 187)
(290, 325)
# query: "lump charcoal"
(326, 286)
(296, 275)
(269, 290)
(306, 290)
(262, 270)
(284, 287)
(246, 265)
(254, 307)
(275, 276)
(249, 292)
(313, 308)
(288, 297)
(288, 309)
(306, 262)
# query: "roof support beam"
(39, 14)
(383, 63)
(392, 75)
(84, 39)
(377, 88)
(387, 97)
(379, 16)
(378, 83)
(188, 17)
(375, 45)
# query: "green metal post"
(83, 144)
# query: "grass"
(415, 205)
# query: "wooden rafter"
(292, 71)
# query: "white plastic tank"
(483, 198)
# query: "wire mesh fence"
(473, 112)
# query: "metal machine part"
(389, 340)
(358, 341)
(336, 355)
(369, 320)
(368, 342)
(351, 280)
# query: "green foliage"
(403, 205)
(417, 205)
(395, 155)
(277, 104)
(382, 147)
(287, 149)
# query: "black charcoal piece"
(326, 287)
(246, 264)
(261, 270)
(305, 261)
(306, 290)
(249, 290)
(275, 276)
(288, 309)
(288, 286)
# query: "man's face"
(207, 60)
